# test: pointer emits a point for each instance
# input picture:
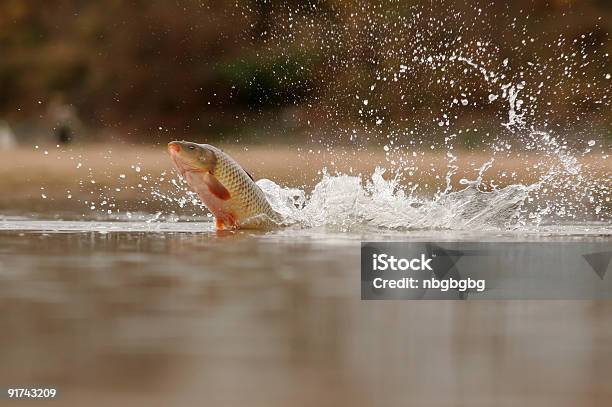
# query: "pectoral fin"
(216, 188)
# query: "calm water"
(154, 313)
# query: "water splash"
(347, 202)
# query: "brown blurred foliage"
(220, 66)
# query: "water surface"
(154, 313)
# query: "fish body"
(226, 189)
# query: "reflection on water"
(150, 318)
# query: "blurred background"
(115, 288)
(286, 70)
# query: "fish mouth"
(174, 147)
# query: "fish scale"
(247, 199)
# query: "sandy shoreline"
(49, 178)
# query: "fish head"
(188, 156)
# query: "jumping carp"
(226, 189)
